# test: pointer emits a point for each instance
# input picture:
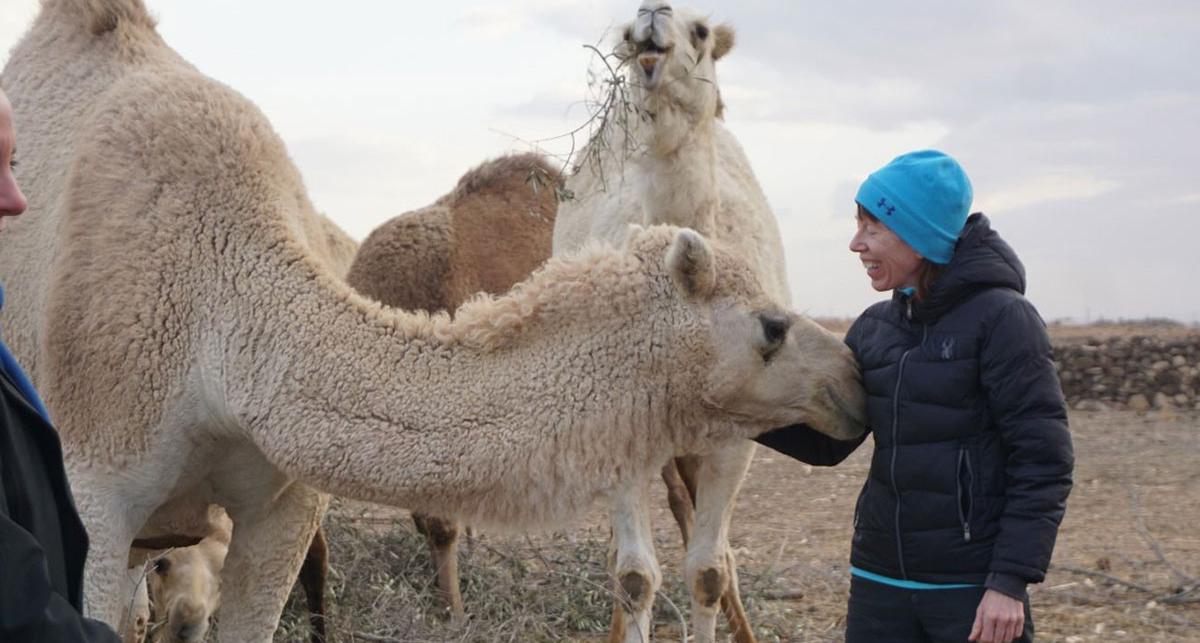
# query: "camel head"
(185, 587)
(762, 367)
(672, 54)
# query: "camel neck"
(677, 178)
(384, 406)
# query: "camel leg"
(442, 536)
(731, 605)
(268, 546)
(136, 622)
(312, 578)
(709, 567)
(680, 499)
(109, 590)
(680, 477)
(635, 572)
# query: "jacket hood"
(981, 260)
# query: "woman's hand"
(999, 619)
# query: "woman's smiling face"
(890, 262)
(12, 202)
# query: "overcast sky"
(1077, 120)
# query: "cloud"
(1074, 119)
(1045, 189)
(15, 17)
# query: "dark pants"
(881, 613)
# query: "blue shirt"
(13, 369)
(905, 584)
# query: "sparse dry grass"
(550, 588)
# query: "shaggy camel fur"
(675, 162)
(194, 351)
(490, 232)
(195, 568)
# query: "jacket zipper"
(895, 451)
(964, 516)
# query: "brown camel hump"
(405, 262)
(502, 212)
(102, 16)
(503, 172)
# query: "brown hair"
(927, 274)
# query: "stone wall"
(1135, 372)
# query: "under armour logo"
(887, 208)
(948, 348)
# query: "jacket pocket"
(964, 479)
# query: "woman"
(973, 461)
(42, 542)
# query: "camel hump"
(102, 16)
(530, 168)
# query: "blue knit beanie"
(924, 197)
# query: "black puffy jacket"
(973, 460)
(42, 542)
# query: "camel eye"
(162, 566)
(701, 31)
(775, 329)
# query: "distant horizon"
(1072, 143)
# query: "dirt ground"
(1130, 542)
(1137, 491)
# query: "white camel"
(194, 350)
(672, 160)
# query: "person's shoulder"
(996, 298)
(1010, 320)
(880, 311)
(885, 310)
(881, 314)
(994, 305)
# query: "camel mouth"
(651, 64)
(853, 416)
(653, 48)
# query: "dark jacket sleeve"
(30, 610)
(808, 445)
(1027, 407)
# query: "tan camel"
(490, 232)
(185, 587)
(194, 350)
(189, 596)
(671, 160)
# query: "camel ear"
(632, 232)
(690, 262)
(724, 38)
